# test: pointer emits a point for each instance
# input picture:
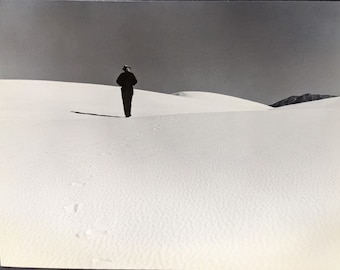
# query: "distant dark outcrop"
(300, 99)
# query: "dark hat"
(126, 66)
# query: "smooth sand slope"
(58, 98)
(192, 181)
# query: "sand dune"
(190, 182)
(61, 97)
(229, 103)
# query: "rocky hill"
(299, 99)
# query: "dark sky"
(262, 51)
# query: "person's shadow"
(95, 114)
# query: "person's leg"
(125, 103)
(129, 101)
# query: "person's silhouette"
(127, 80)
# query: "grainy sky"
(262, 51)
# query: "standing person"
(127, 80)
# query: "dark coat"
(126, 80)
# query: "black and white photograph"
(182, 135)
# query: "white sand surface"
(227, 103)
(189, 182)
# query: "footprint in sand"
(158, 127)
(97, 229)
(72, 208)
(91, 233)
